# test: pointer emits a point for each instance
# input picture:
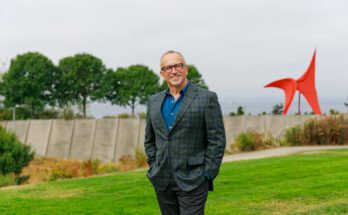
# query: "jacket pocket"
(196, 160)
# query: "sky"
(237, 45)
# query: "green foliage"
(140, 158)
(277, 109)
(68, 113)
(123, 115)
(21, 113)
(142, 115)
(293, 136)
(193, 76)
(134, 85)
(251, 140)
(239, 112)
(14, 155)
(31, 81)
(82, 80)
(7, 180)
(50, 113)
(334, 112)
(323, 131)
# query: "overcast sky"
(238, 46)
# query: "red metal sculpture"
(305, 85)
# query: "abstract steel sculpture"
(305, 85)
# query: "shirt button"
(170, 127)
(171, 114)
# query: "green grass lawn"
(311, 183)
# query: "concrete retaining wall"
(111, 139)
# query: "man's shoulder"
(157, 96)
(203, 92)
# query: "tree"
(14, 155)
(31, 82)
(277, 109)
(193, 76)
(134, 85)
(240, 111)
(82, 80)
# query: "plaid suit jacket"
(194, 145)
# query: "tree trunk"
(132, 109)
(84, 106)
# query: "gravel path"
(282, 151)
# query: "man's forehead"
(172, 57)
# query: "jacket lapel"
(158, 109)
(188, 98)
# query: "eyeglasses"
(169, 68)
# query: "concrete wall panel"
(234, 125)
(20, 127)
(256, 123)
(141, 135)
(60, 139)
(275, 124)
(82, 142)
(38, 135)
(291, 121)
(127, 138)
(105, 139)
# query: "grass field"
(311, 183)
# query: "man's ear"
(162, 75)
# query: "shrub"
(294, 136)
(67, 113)
(49, 114)
(140, 158)
(7, 180)
(21, 113)
(14, 155)
(123, 115)
(51, 169)
(251, 140)
(142, 115)
(320, 131)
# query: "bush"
(14, 155)
(323, 131)
(140, 158)
(294, 136)
(123, 115)
(142, 115)
(21, 113)
(7, 180)
(49, 114)
(251, 140)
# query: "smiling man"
(184, 140)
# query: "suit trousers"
(174, 201)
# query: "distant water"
(253, 107)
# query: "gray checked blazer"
(194, 145)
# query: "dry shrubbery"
(330, 130)
(50, 169)
(251, 140)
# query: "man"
(184, 140)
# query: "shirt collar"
(182, 92)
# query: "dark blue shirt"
(171, 107)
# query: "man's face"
(174, 70)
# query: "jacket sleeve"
(149, 141)
(216, 139)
